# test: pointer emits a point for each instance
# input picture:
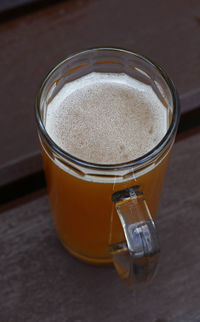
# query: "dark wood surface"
(12, 4)
(167, 31)
(40, 281)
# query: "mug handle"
(136, 258)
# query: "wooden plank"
(14, 170)
(40, 281)
(11, 9)
(166, 31)
(10, 4)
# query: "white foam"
(106, 118)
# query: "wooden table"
(39, 280)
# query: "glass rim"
(118, 166)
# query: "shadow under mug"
(104, 212)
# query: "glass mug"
(104, 213)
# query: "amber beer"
(84, 213)
(83, 166)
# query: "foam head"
(106, 118)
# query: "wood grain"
(40, 281)
(166, 31)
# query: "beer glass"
(104, 213)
